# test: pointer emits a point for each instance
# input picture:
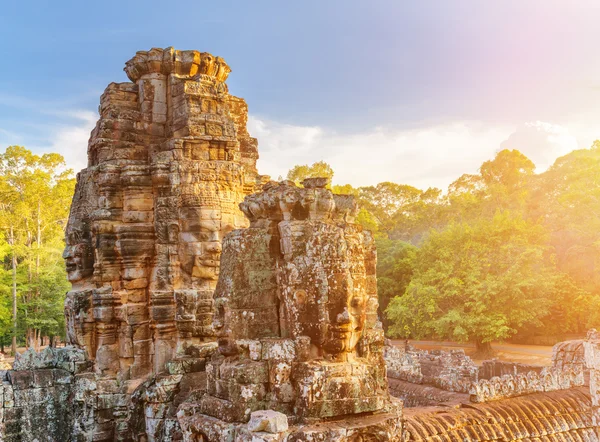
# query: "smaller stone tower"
(296, 321)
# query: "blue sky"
(417, 92)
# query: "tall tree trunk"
(30, 331)
(14, 291)
(38, 332)
(39, 241)
(484, 349)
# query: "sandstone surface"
(170, 159)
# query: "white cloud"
(431, 156)
(71, 140)
(53, 127)
(541, 142)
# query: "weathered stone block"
(278, 350)
(21, 379)
(268, 421)
(45, 378)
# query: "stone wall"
(36, 397)
(448, 370)
(495, 368)
(549, 379)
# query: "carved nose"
(344, 317)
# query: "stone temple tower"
(169, 161)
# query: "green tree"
(414, 219)
(566, 199)
(5, 291)
(502, 184)
(387, 199)
(320, 169)
(478, 281)
(36, 191)
(395, 261)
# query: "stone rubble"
(268, 421)
(448, 370)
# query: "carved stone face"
(200, 244)
(326, 281)
(79, 261)
(78, 306)
(346, 320)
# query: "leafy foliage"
(478, 281)
(394, 271)
(320, 169)
(503, 252)
(35, 191)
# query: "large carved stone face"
(346, 298)
(326, 279)
(200, 244)
(346, 311)
(79, 258)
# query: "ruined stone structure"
(170, 159)
(36, 395)
(208, 304)
(448, 370)
(489, 369)
(508, 401)
(544, 417)
(521, 384)
(296, 319)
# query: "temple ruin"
(296, 317)
(211, 304)
(170, 159)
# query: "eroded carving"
(295, 315)
(169, 160)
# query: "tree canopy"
(504, 252)
(480, 281)
(35, 195)
(320, 169)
